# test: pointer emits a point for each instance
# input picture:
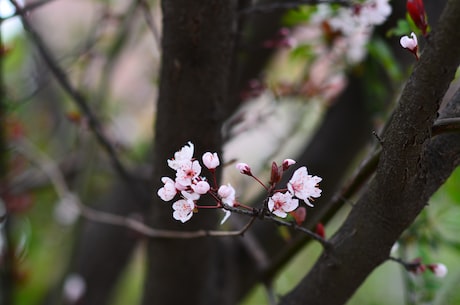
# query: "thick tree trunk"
(407, 167)
(197, 46)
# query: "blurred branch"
(151, 23)
(76, 95)
(6, 250)
(26, 9)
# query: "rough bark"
(197, 45)
(400, 189)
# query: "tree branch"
(411, 168)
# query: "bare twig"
(76, 96)
(445, 125)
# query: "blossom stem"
(214, 178)
(260, 182)
(237, 204)
(217, 206)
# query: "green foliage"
(452, 187)
(381, 53)
(403, 27)
(301, 52)
(299, 15)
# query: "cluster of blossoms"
(351, 27)
(191, 186)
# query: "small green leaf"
(302, 52)
(402, 28)
(300, 15)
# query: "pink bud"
(299, 215)
(227, 193)
(287, 163)
(202, 187)
(244, 169)
(439, 270)
(410, 43)
(211, 160)
(320, 230)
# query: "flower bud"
(227, 193)
(287, 163)
(275, 176)
(439, 270)
(410, 43)
(202, 187)
(244, 169)
(320, 230)
(211, 160)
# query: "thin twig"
(445, 125)
(76, 96)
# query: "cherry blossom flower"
(244, 169)
(190, 196)
(410, 43)
(439, 270)
(211, 160)
(188, 171)
(201, 187)
(183, 210)
(281, 203)
(374, 12)
(181, 156)
(227, 194)
(304, 186)
(351, 27)
(168, 191)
